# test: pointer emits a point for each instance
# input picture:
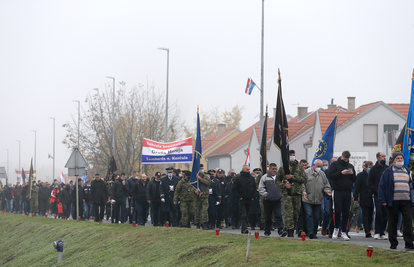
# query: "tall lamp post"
(54, 158)
(78, 119)
(166, 98)
(113, 115)
(35, 173)
(262, 75)
(7, 175)
(77, 182)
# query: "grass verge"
(27, 241)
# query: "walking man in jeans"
(272, 204)
(244, 189)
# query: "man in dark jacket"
(394, 194)
(99, 196)
(139, 196)
(120, 192)
(8, 197)
(65, 200)
(214, 199)
(244, 189)
(87, 207)
(364, 197)
(17, 197)
(44, 193)
(167, 190)
(374, 177)
(221, 208)
(80, 197)
(342, 174)
(153, 198)
(131, 182)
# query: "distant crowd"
(327, 197)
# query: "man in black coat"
(139, 196)
(153, 198)
(65, 199)
(167, 190)
(214, 198)
(374, 177)
(44, 193)
(221, 208)
(244, 189)
(342, 174)
(120, 192)
(364, 197)
(99, 197)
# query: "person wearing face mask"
(342, 174)
(177, 174)
(186, 192)
(394, 195)
(154, 199)
(167, 190)
(314, 187)
(374, 177)
(201, 201)
(120, 192)
(87, 205)
(139, 196)
(213, 199)
(364, 198)
(291, 185)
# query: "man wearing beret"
(394, 195)
(167, 189)
(186, 192)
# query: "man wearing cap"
(99, 197)
(186, 192)
(394, 195)
(80, 197)
(154, 199)
(374, 177)
(213, 199)
(201, 201)
(167, 190)
(291, 186)
(131, 183)
(221, 207)
(177, 174)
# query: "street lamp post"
(262, 75)
(166, 98)
(54, 158)
(7, 175)
(78, 120)
(35, 156)
(76, 163)
(19, 155)
(113, 115)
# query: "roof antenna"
(332, 101)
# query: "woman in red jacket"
(54, 200)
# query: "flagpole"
(198, 184)
(262, 74)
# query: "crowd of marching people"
(327, 197)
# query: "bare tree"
(139, 113)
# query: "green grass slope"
(27, 241)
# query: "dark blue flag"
(408, 138)
(325, 148)
(197, 156)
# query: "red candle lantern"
(303, 235)
(79, 218)
(369, 251)
(100, 222)
(167, 224)
(256, 234)
(217, 231)
(45, 215)
(32, 214)
(134, 224)
(55, 217)
(27, 214)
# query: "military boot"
(290, 233)
(205, 226)
(198, 226)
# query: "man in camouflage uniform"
(291, 185)
(185, 191)
(201, 201)
(33, 198)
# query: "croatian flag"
(49, 156)
(247, 162)
(62, 177)
(249, 87)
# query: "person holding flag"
(201, 182)
(34, 192)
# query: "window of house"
(389, 129)
(370, 134)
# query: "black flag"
(112, 168)
(263, 150)
(280, 134)
(398, 144)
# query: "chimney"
(274, 113)
(351, 103)
(302, 112)
(332, 105)
(221, 128)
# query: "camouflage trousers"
(200, 208)
(33, 206)
(291, 205)
(186, 212)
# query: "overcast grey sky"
(53, 52)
